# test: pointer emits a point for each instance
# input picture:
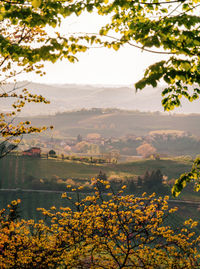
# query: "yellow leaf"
(36, 3)
(115, 46)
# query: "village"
(95, 148)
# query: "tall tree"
(146, 150)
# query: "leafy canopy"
(164, 27)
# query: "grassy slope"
(169, 167)
(14, 171)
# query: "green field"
(18, 171)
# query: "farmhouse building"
(33, 152)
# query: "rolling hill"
(69, 97)
(115, 123)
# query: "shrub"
(102, 232)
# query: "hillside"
(68, 97)
(116, 123)
(23, 172)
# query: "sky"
(98, 65)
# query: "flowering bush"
(104, 231)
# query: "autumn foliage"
(98, 231)
(146, 150)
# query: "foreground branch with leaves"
(25, 44)
(98, 231)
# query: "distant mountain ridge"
(68, 97)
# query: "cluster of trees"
(153, 144)
(151, 181)
(111, 157)
(176, 144)
(86, 147)
(86, 159)
(146, 150)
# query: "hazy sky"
(98, 65)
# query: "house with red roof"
(33, 152)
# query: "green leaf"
(186, 66)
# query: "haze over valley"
(68, 97)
